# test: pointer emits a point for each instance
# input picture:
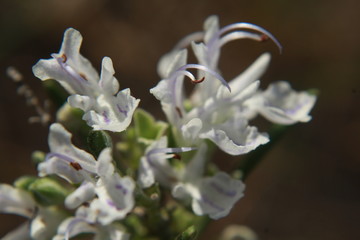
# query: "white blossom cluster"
(217, 111)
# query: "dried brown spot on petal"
(64, 57)
(76, 166)
(179, 112)
(83, 76)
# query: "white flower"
(115, 193)
(213, 196)
(208, 52)
(72, 70)
(216, 118)
(42, 222)
(105, 107)
(114, 200)
(220, 110)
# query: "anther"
(264, 38)
(177, 156)
(196, 81)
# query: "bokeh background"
(308, 185)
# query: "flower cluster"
(113, 191)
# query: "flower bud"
(24, 182)
(97, 141)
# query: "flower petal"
(196, 167)
(112, 113)
(283, 105)
(251, 74)
(235, 136)
(73, 226)
(105, 166)
(115, 200)
(85, 103)
(60, 143)
(74, 72)
(170, 62)
(108, 82)
(190, 131)
(82, 194)
(155, 165)
(61, 168)
(45, 224)
(217, 195)
(211, 27)
(16, 201)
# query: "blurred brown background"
(308, 185)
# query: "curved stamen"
(170, 150)
(183, 73)
(205, 69)
(196, 81)
(249, 26)
(240, 35)
(164, 171)
(189, 75)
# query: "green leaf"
(48, 192)
(134, 223)
(146, 128)
(189, 234)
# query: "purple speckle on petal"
(219, 189)
(121, 110)
(297, 108)
(121, 188)
(110, 203)
(106, 118)
(211, 203)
